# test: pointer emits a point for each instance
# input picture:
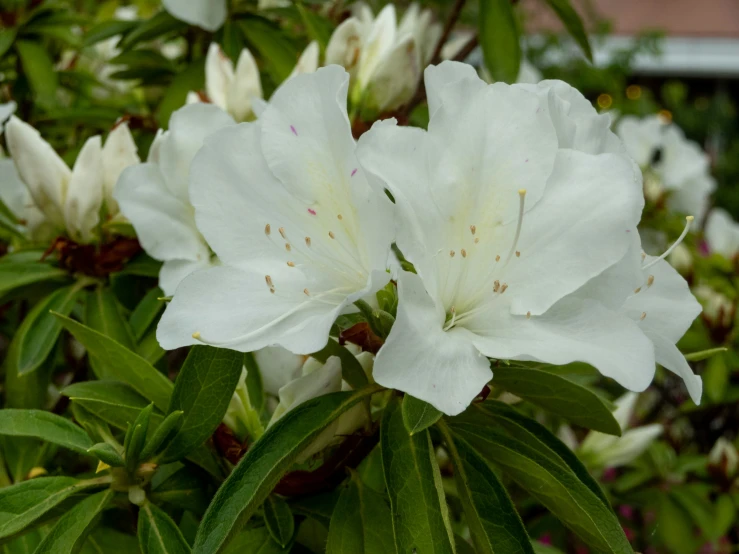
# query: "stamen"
(306, 292)
(267, 229)
(454, 317)
(463, 252)
(642, 316)
(503, 288)
(496, 286)
(331, 234)
(643, 256)
(522, 197)
(473, 229)
(637, 290)
(307, 241)
(282, 232)
(688, 221)
(497, 258)
(650, 280)
(291, 264)
(288, 247)
(196, 335)
(268, 279)
(451, 253)
(518, 254)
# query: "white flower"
(657, 299)
(384, 59)
(16, 196)
(722, 233)
(724, 457)
(6, 110)
(236, 90)
(299, 230)
(600, 450)
(69, 199)
(207, 14)
(154, 196)
(718, 308)
(671, 164)
(514, 198)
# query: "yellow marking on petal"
(307, 241)
(267, 229)
(282, 232)
(291, 264)
(642, 316)
(463, 252)
(473, 229)
(452, 253)
(196, 335)
(650, 280)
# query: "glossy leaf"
(146, 312)
(360, 522)
(181, 487)
(158, 534)
(279, 519)
(494, 523)
(124, 364)
(558, 395)
(107, 453)
(18, 274)
(70, 532)
(417, 503)
(45, 426)
(266, 461)
(103, 314)
(317, 27)
(24, 503)
(418, 415)
(163, 435)
(499, 39)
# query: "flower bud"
(724, 459)
(118, 153)
(85, 192)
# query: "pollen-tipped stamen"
(688, 222)
(519, 224)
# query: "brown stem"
(451, 20)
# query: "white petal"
(669, 357)
(722, 233)
(693, 197)
(277, 367)
(308, 61)
(119, 153)
(188, 128)
(395, 81)
(219, 76)
(419, 358)
(42, 170)
(207, 14)
(682, 159)
(85, 192)
(324, 380)
(630, 445)
(246, 87)
(345, 46)
(625, 409)
(193, 98)
(571, 330)
(173, 272)
(16, 197)
(582, 225)
(450, 83)
(641, 137)
(235, 309)
(165, 225)
(379, 42)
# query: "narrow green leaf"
(317, 27)
(417, 503)
(38, 67)
(572, 22)
(256, 540)
(7, 37)
(556, 487)
(107, 453)
(279, 519)
(149, 348)
(136, 437)
(70, 532)
(558, 395)
(272, 44)
(351, 369)
(146, 312)
(182, 488)
(418, 415)
(45, 426)
(494, 523)
(360, 522)
(499, 39)
(103, 314)
(203, 391)
(18, 274)
(191, 78)
(39, 331)
(24, 503)
(104, 540)
(317, 506)
(159, 25)
(158, 534)
(264, 464)
(124, 364)
(108, 29)
(163, 435)
(254, 384)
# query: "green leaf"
(279, 519)
(40, 330)
(163, 435)
(45, 426)
(538, 436)
(18, 274)
(158, 534)
(317, 27)
(272, 44)
(7, 37)
(360, 522)
(191, 78)
(135, 438)
(124, 365)
(320, 506)
(146, 312)
(417, 503)
(108, 29)
(70, 532)
(572, 22)
(107, 453)
(203, 391)
(264, 464)
(494, 523)
(555, 486)
(104, 540)
(254, 541)
(558, 395)
(181, 488)
(418, 415)
(103, 314)
(24, 503)
(38, 67)
(159, 25)
(499, 39)
(149, 348)
(351, 369)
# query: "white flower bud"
(85, 192)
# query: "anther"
(643, 256)
(496, 286)
(340, 217)
(291, 264)
(331, 234)
(650, 280)
(196, 335)
(451, 253)
(528, 315)
(642, 316)
(306, 292)
(282, 232)
(503, 288)
(307, 241)
(473, 229)
(463, 252)
(268, 279)
(267, 229)
(637, 290)
(288, 247)
(518, 254)
(497, 258)
(522, 197)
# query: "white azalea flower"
(69, 199)
(206, 14)
(514, 198)
(16, 196)
(671, 164)
(236, 90)
(718, 308)
(722, 233)
(299, 230)
(384, 58)
(154, 196)
(599, 450)
(724, 456)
